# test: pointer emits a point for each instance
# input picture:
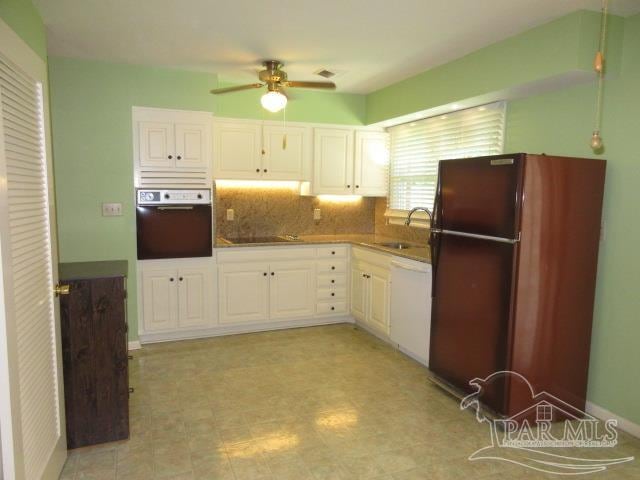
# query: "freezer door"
(470, 313)
(480, 195)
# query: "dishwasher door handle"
(406, 266)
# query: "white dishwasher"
(410, 323)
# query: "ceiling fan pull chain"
(284, 125)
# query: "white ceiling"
(371, 42)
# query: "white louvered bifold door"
(28, 273)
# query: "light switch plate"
(230, 214)
(316, 214)
(111, 209)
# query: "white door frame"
(14, 49)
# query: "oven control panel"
(200, 196)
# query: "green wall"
(93, 151)
(561, 123)
(24, 19)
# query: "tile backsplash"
(279, 211)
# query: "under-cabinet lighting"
(340, 198)
(258, 184)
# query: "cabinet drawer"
(331, 294)
(333, 251)
(330, 266)
(331, 308)
(335, 280)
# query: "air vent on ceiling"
(325, 73)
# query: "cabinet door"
(193, 290)
(371, 164)
(378, 301)
(359, 292)
(191, 145)
(160, 299)
(292, 290)
(243, 293)
(333, 161)
(156, 144)
(237, 150)
(286, 152)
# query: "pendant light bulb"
(596, 141)
(273, 101)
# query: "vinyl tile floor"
(319, 403)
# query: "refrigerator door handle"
(478, 236)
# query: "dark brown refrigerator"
(514, 251)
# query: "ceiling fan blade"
(326, 85)
(237, 88)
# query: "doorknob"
(61, 290)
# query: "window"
(544, 412)
(417, 147)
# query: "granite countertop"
(87, 270)
(416, 252)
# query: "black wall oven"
(174, 223)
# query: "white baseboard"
(236, 329)
(623, 424)
(135, 345)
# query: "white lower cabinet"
(176, 294)
(370, 289)
(291, 287)
(243, 293)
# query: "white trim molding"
(623, 424)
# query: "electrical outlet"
(111, 209)
(230, 214)
(316, 214)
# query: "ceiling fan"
(275, 79)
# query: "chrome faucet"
(407, 222)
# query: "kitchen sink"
(396, 245)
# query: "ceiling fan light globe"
(273, 101)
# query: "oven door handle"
(188, 207)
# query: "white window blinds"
(417, 147)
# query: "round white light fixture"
(273, 101)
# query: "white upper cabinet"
(333, 161)
(172, 148)
(156, 144)
(286, 152)
(254, 150)
(341, 169)
(371, 164)
(236, 150)
(191, 145)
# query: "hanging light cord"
(600, 71)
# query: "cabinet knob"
(273, 273)
(357, 186)
(348, 186)
(333, 308)
(265, 170)
(179, 157)
(171, 279)
(333, 294)
(333, 268)
(257, 170)
(181, 279)
(333, 281)
(170, 157)
(333, 253)
(364, 275)
(264, 274)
